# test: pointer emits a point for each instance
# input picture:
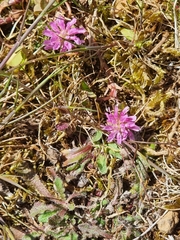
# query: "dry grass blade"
(176, 30)
(89, 119)
(8, 178)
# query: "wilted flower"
(62, 126)
(62, 35)
(120, 126)
(113, 87)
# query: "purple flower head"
(62, 35)
(120, 126)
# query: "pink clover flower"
(62, 35)
(120, 126)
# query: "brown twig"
(155, 49)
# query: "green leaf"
(85, 87)
(61, 236)
(71, 206)
(135, 188)
(17, 58)
(31, 236)
(128, 33)
(72, 236)
(58, 186)
(153, 146)
(39, 208)
(43, 218)
(105, 202)
(97, 136)
(114, 150)
(102, 163)
(75, 154)
(75, 157)
(73, 167)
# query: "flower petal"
(71, 23)
(74, 31)
(60, 23)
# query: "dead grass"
(70, 183)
